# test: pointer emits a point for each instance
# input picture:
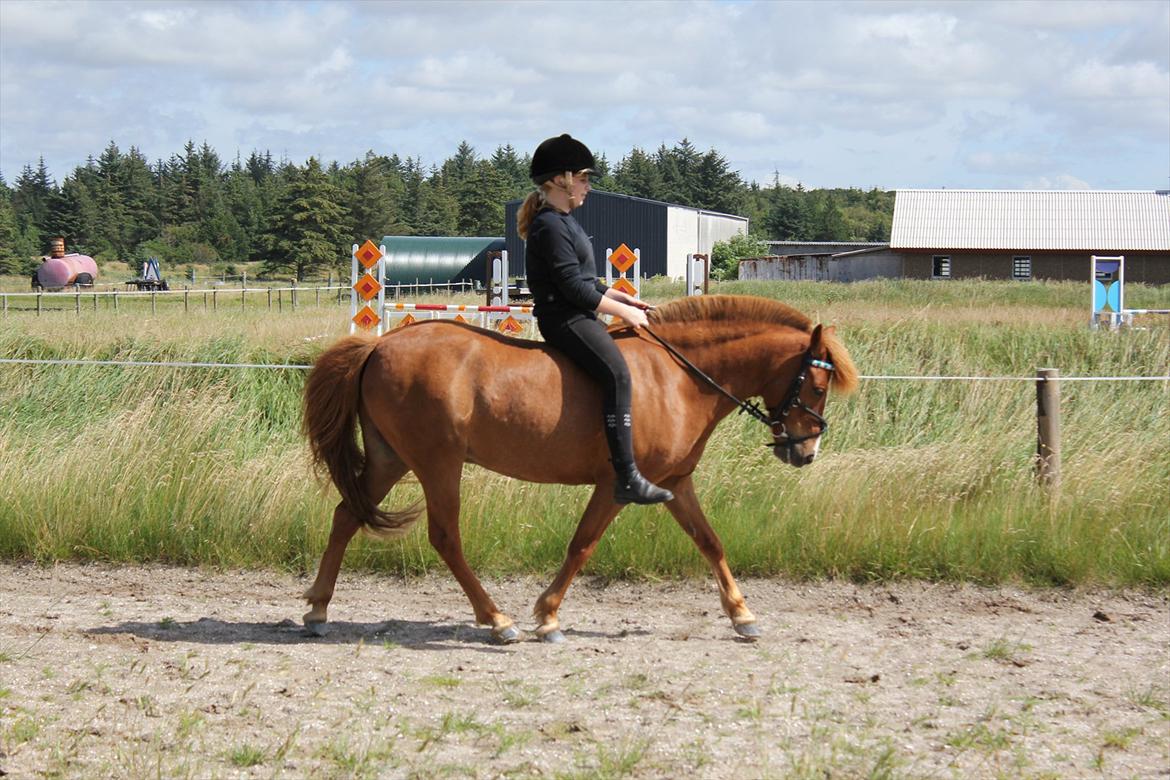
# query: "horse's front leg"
(600, 511)
(686, 510)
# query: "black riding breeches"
(584, 340)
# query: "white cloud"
(898, 93)
(1061, 181)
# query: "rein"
(753, 408)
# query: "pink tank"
(63, 271)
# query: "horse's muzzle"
(796, 454)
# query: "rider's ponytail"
(532, 204)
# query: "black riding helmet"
(556, 155)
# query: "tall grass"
(915, 479)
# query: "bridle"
(781, 438)
(792, 401)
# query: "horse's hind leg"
(383, 468)
(686, 510)
(599, 513)
(441, 485)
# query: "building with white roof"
(1030, 234)
(997, 234)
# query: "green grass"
(928, 480)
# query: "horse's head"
(795, 407)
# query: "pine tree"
(106, 237)
(436, 211)
(30, 197)
(716, 187)
(308, 233)
(678, 167)
(787, 216)
(11, 259)
(638, 175)
(374, 203)
(481, 198)
(513, 169)
(459, 168)
(139, 197)
(827, 223)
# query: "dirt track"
(127, 672)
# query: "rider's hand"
(633, 316)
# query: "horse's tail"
(332, 398)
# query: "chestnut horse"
(433, 396)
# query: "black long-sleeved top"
(562, 274)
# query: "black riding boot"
(631, 487)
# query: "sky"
(960, 94)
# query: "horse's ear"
(816, 344)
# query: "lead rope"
(752, 408)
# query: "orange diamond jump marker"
(510, 325)
(407, 320)
(622, 258)
(367, 287)
(368, 254)
(623, 284)
(366, 318)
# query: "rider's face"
(580, 186)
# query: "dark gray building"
(664, 233)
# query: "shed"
(665, 233)
(437, 259)
(869, 261)
(1026, 234)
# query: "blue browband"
(820, 364)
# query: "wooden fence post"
(1048, 428)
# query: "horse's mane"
(765, 311)
(730, 308)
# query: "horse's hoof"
(554, 637)
(507, 635)
(317, 627)
(748, 631)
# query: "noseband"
(781, 438)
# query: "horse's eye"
(818, 391)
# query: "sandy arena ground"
(170, 672)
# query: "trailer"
(150, 278)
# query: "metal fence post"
(1048, 428)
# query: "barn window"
(942, 267)
(1021, 267)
